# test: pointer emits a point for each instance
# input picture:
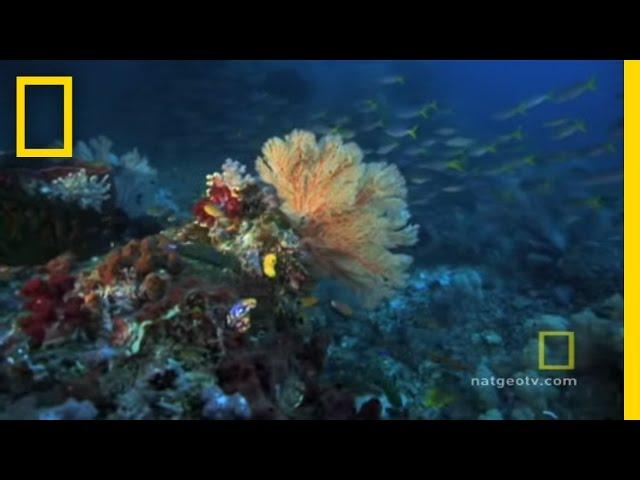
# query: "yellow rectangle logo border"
(631, 239)
(571, 361)
(67, 144)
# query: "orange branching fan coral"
(349, 214)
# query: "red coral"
(35, 287)
(220, 197)
(48, 306)
(60, 284)
(370, 410)
(199, 211)
(6, 180)
(42, 317)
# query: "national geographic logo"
(571, 351)
(66, 151)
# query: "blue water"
(106, 92)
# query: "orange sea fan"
(349, 214)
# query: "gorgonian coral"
(348, 213)
(135, 180)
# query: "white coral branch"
(87, 191)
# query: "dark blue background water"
(111, 96)
(188, 116)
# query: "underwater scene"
(311, 240)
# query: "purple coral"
(72, 409)
(220, 406)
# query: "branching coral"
(98, 150)
(87, 191)
(235, 175)
(135, 180)
(135, 162)
(349, 214)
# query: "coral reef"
(145, 333)
(135, 181)
(347, 213)
(238, 217)
(48, 208)
(419, 364)
(228, 316)
(334, 215)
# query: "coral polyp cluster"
(241, 218)
(222, 202)
(54, 311)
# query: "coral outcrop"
(149, 333)
(80, 205)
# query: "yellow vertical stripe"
(20, 117)
(631, 239)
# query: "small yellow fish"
(432, 106)
(594, 203)
(453, 189)
(423, 201)
(544, 188)
(518, 110)
(436, 398)
(517, 134)
(309, 301)
(155, 211)
(457, 165)
(557, 123)
(213, 211)
(576, 91)
(529, 160)
(269, 265)
(393, 80)
(342, 308)
(578, 126)
(418, 180)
